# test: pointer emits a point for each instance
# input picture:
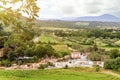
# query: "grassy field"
(61, 48)
(110, 48)
(47, 39)
(58, 74)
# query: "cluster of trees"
(114, 62)
(19, 37)
(97, 33)
(106, 37)
(104, 33)
(96, 54)
(15, 48)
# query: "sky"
(54, 9)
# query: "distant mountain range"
(102, 18)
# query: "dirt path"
(110, 73)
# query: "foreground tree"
(12, 14)
(12, 11)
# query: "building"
(75, 55)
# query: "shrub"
(11, 56)
(114, 54)
(108, 64)
(97, 68)
(19, 62)
(43, 66)
(94, 56)
(113, 64)
(61, 53)
(5, 63)
(50, 64)
(116, 64)
(66, 66)
(29, 52)
(35, 59)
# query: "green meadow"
(55, 74)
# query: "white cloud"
(75, 8)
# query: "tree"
(108, 64)
(39, 51)
(95, 48)
(49, 50)
(116, 65)
(44, 50)
(94, 56)
(29, 52)
(113, 64)
(11, 56)
(11, 16)
(114, 54)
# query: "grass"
(47, 39)
(117, 42)
(110, 48)
(61, 48)
(56, 74)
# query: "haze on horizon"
(53, 9)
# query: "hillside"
(75, 24)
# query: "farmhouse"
(75, 55)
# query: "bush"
(5, 63)
(61, 53)
(19, 62)
(108, 64)
(43, 66)
(11, 56)
(50, 64)
(114, 54)
(94, 56)
(113, 64)
(29, 52)
(97, 68)
(35, 59)
(116, 64)
(66, 66)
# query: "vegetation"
(55, 39)
(114, 61)
(59, 74)
(47, 39)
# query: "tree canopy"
(12, 12)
